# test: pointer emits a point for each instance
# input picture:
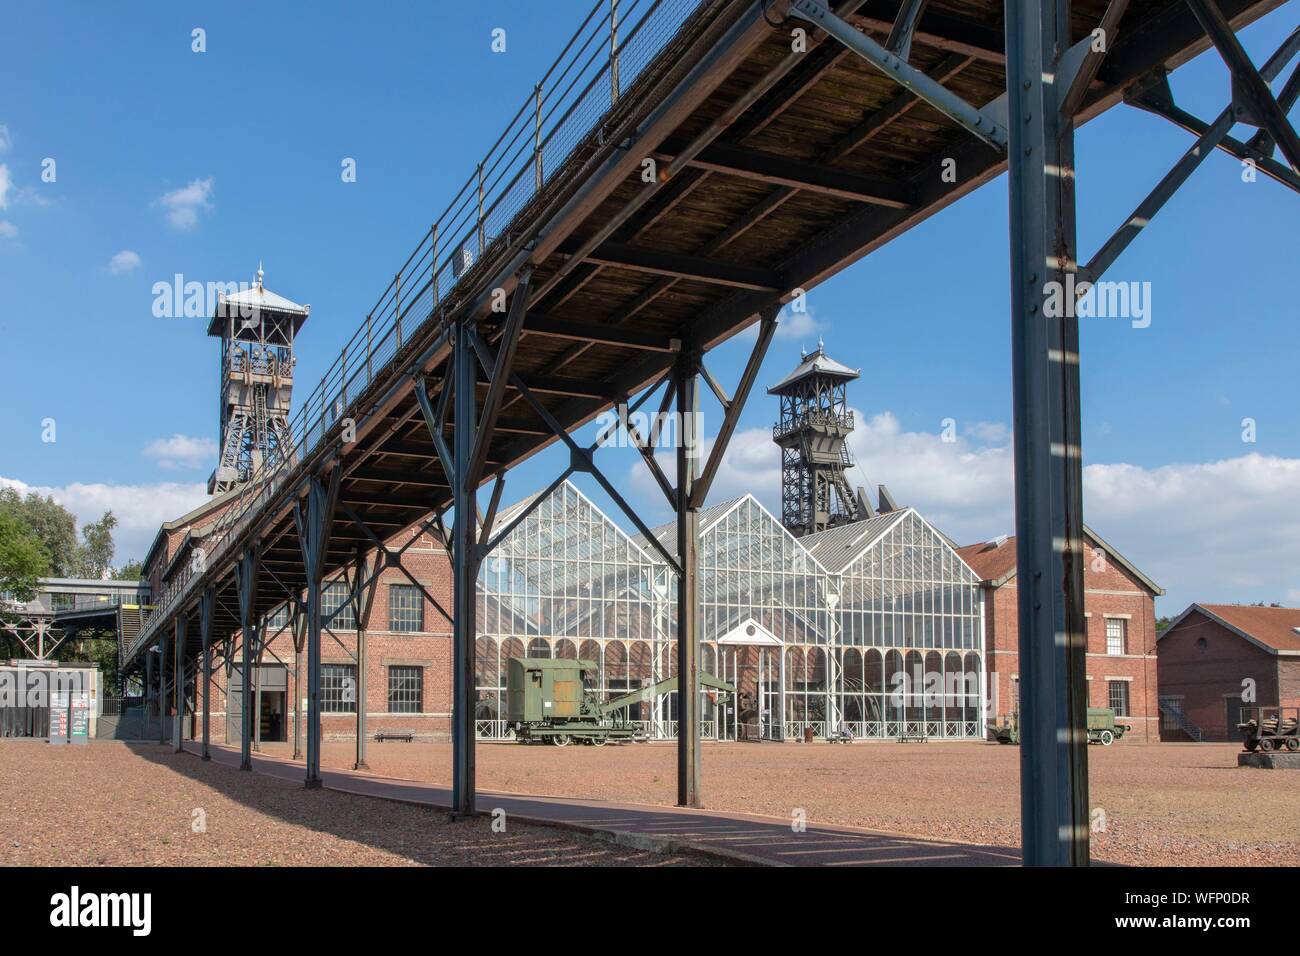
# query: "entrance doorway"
(273, 725)
(270, 703)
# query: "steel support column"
(688, 583)
(148, 688)
(363, 603)
(314, 522)
(464, 571)
(163, 647)
(1045, 366)
(206, 603)
(178, 680)
(299, 642)
(247, 571)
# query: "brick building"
(1119, 601)
(407, 645)
(1214, 657)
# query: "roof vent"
(997, 542)
(1296, 629)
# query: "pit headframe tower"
(257, 329)
(812, 433)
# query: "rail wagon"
(1270, 728)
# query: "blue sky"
(247, 140)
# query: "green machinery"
(547, 701)
(1102, 728)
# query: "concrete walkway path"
(747, 838)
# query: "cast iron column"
(1045, 365)
(299, 641)
(464, 567)
(205, 633)
(314, 529)
(148, 689)
(178, 680)
(688, 593)
(163, 647)
(246, 573)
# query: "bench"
(403, 735)
(913, 739)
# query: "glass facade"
(885, 639)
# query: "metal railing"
(813, 416)
(607, 54)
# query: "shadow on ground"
(741, 837)
(420, 834)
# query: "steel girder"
(313, 519)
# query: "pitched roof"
(250, 302)
(995, 561)
(263, 299)
(188, 520)
(814, 364)
(666, 534)
(838, 547)
(1275, 629)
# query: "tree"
(23, 559)
(94, 557)
(133, 570)
(54, 526)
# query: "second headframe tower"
(257, 329)
(813, 436)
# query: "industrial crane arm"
(666, 686)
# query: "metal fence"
(607, 54)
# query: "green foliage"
(95, 555)
(55, 529)
(54, 526)
(23, 558)
(133, 570)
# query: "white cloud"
(140, 509)
(6, 183)
(1219, 531)
(123, 262)
(989, 432)
(182, 452)
(1212, 531)
(798, 325)
(8, 230)
(184, 205)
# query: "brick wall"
(428, 649)
(1203, 665)
(1109, 592)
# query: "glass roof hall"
(874, 627)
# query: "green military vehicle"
(1102, 728)
(547, 702)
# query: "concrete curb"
(647, 842)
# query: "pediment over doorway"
(749, 631)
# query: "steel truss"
(1047, 81)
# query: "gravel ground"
(1160, 804)
(110, 803)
